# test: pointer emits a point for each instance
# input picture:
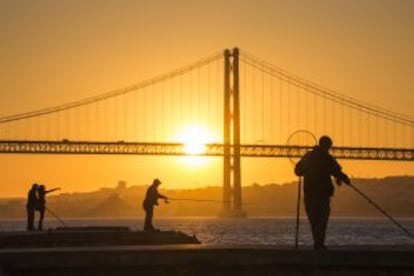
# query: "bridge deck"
(176, 149)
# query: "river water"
(254, 231)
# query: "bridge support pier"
(232, 191)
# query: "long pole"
(56, 217)
(298, 214)
(382, 211)
(198, 200)
(288, 142)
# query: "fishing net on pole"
(297, 144)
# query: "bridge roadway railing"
(176, 149)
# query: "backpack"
(302, 166)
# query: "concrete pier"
(208, 260)
(91, 236)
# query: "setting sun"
(195, 138)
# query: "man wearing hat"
(150, 200)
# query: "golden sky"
(53, 52)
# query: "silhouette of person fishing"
(151, 199)
(317, 166)
(41, 206)
(31, 205)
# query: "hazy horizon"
(165, 188)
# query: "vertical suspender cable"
(351, 124)
(135, 125)
(377, 144)
(85, 120)
(333, 117)
(47, 128)
(208, 97)
(316, 112)
(360, 126)
(386, 134)
(99, 121)
(78, 125)
(298, 108)
(37, 129)
(199, 94)
(243, 99)
(162, 110)
(289, 109)
(125, 109)
(173, 105)
(116, 124)
(342, 123)
(154, 117)
(218, 94)
(89, 130)
(144, 105)
(395, 134)
(324, 113)
(263, 104)
(16, 130)
(58, 129)
(272, 127)
(369, 127)
(106, 122)
(191, 96)
(95, 121)
(181, 92)
(280, 110)
(254, 103)
(307, 108)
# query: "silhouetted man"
(31, 205)
(41, 207)
(151, 199)
(317, 167)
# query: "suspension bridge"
(249, 107)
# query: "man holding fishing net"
(317, 166)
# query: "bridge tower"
(232, 198)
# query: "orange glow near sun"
(195, 138)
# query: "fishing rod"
(56, 216)
(210, 200)
(382, 211)
(198, 200)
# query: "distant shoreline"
(395, 195)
